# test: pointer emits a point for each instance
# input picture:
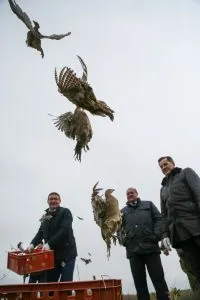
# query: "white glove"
(167, 244)
(46, 247)
(30, 248)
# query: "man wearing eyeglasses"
(141, 230)
(57, 233)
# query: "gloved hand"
(30, 248)
(166, 243)
(39, 246)
(46, 247)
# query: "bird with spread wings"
(33, 36)
(86, 260)
(107, 215)
(76, 126)
(79, 92)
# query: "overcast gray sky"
(143, 61)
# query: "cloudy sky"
(143, 60)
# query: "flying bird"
(80, 218)
(76, 126)
(89, 254)
(79, 92)
(107, 215)
(86, 260)
(33, 36)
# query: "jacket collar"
(133, 203)
(51, 211)
(173, 172)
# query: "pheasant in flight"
(79, 92)
(33, 36)
(76, 126)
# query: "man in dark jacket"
(141, 230)
(180, 208)
(57, 233)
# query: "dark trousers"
(191, 249)
(152, 261)
(63, 271)
(39, 277)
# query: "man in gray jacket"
(180, 209)
(140, 232)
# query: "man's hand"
(39, 246)
(46, 247)
(30, 248)
(166, 243)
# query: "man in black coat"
(57, 233)
(180, 208)
(140, 232)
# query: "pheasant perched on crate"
(33, 36)
(76, 126)
(79, 92)
(107, 215)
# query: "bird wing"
(112, 204)
(56, 36)
(64, 124)
(67, 79)
(98, 206)
(21, 14)
(77, 90)
(114, 216)
(85, 72)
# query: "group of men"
(178, 225)
(143, 227)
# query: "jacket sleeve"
(193, 181)
(64, 228)
(165, 232)
(38, 237)
(157, 221)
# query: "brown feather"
(79, 92)
(34, 36)
(76, 126)
(106, 214)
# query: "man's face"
(166, 166)
(131, 194)
(54, 201)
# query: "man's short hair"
(131, 188)
(169, 158)
(53, 193)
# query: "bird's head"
(108, 192)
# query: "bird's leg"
(41, 52)
(114, 238)
(78, 151)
